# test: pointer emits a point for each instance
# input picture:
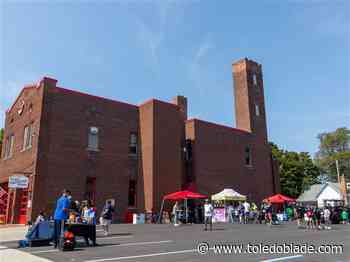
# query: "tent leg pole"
(186, 211)
(161, 213)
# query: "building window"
(132, 193)
(255, 82)
(257, 110)
(90, 189)
(93, 138)
(28, 136)
(188, 150)
(133, 144)
(10, 140)
(248, 156)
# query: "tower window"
(248, 157)
(133, 144)
(93, 138)
(257, 110)
(255, 82)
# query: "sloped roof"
(335, 187)
(311, 194)
(315, 190)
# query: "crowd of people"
(320, 218)
(69, 212)
(309, 217)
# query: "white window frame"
(93, 139)
(255, 80)
(257, 110)
(27, 137)
(133, 138)
(9, 143)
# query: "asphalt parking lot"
(169, 243)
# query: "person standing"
(61, 214)
(246, 206)
(308, 217)
(106, 217)
(175, 212)
(344, 216)
(208, 215)
(230, 211)
(92, 224)
(298, 212)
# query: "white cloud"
(196, 71)
(150, 39)
(202, 50)
(152, 36)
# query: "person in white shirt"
(175, 213)
(327, 215)
(208, 215)
(246, 206)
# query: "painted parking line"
(145, 255)
(99, 239)
(102, 238)
(116, 245)
(282, 258)
(141, 243)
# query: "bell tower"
(249, 97)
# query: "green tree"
(297, 171)
(334, 146)
(1, 135)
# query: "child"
(344, 216)
(40, 218)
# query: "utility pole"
(337, 166)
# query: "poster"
(219, 215)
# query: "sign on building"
(18, 182)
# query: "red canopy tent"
(279, 199)
(181, 195)
(184, 195)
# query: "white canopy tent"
(228, 194)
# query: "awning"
(228, 194)
(184, 195)
(278, 199)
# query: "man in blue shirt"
(61, 214)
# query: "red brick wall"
(147, 156)
(60, 159)
(65, 160)
(218, 159)
(22, 162)
(163, 133)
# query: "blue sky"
(132, 50)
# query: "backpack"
(107, 212)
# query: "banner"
(18, 182)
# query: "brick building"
(104, 149)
